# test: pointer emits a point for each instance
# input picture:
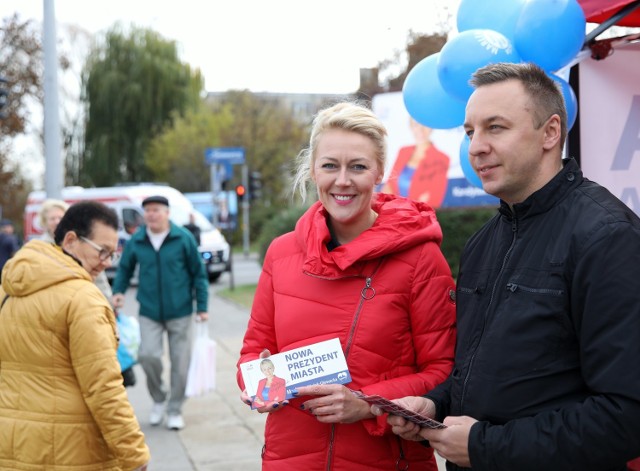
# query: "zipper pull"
(512, 287)
(368, 292)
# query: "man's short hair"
(80, 218)
(544, 92)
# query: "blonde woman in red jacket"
(420, 170)
(365, 268)
(270, 388)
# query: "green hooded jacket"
(169, 279)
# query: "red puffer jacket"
(398, 336)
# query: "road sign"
(225, 170)
(230, 155)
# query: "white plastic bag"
(202, 368)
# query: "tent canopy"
(598, 11)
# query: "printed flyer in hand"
(272, 379)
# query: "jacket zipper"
(513, 287)
(161, 304)
(366, 294)
(514, 230)
(330, 451)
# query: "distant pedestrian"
(8, 242)
(49, 215)
(192, 227)
(172, 277)
(62, 401)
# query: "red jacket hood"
(401, 224)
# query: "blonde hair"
(348, 116)
(267, 362)
(47, 205)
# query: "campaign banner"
(424, 164)
(610, 123)
(273, 379)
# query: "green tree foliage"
(134, 86)
(177, 155)
(267, 130)
(271, 135)
(457, 226)
(280, 223)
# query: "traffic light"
(255, 185)
(240, 192)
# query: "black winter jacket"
(548, 352)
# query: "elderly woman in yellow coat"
(62, 402)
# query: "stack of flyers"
(395, 409)
(272, 379)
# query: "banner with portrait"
(422, 163)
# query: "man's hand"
(401, 426)
(117, 300)
(452, 443)
(202, 316)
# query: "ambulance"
(126, 200)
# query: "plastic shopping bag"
(129, 333)
(202, 368)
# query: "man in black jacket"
(546, 370)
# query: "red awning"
(598, 11)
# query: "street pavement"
(221, 432)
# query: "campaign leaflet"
(272, 379)
(396, 409)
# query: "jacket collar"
(401, 224)
(549, 195)
(141, 232)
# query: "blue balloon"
(465, 163)
(570, 100)
(498, 15)
(550, 32)
(468, 51)
(425, 99)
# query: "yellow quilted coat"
(62, 402)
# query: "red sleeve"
(260, 333)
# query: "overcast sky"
(279, 45)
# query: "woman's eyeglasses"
(103, 254)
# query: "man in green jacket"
(171, 275)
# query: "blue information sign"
(228, 155)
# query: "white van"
(127, 202)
